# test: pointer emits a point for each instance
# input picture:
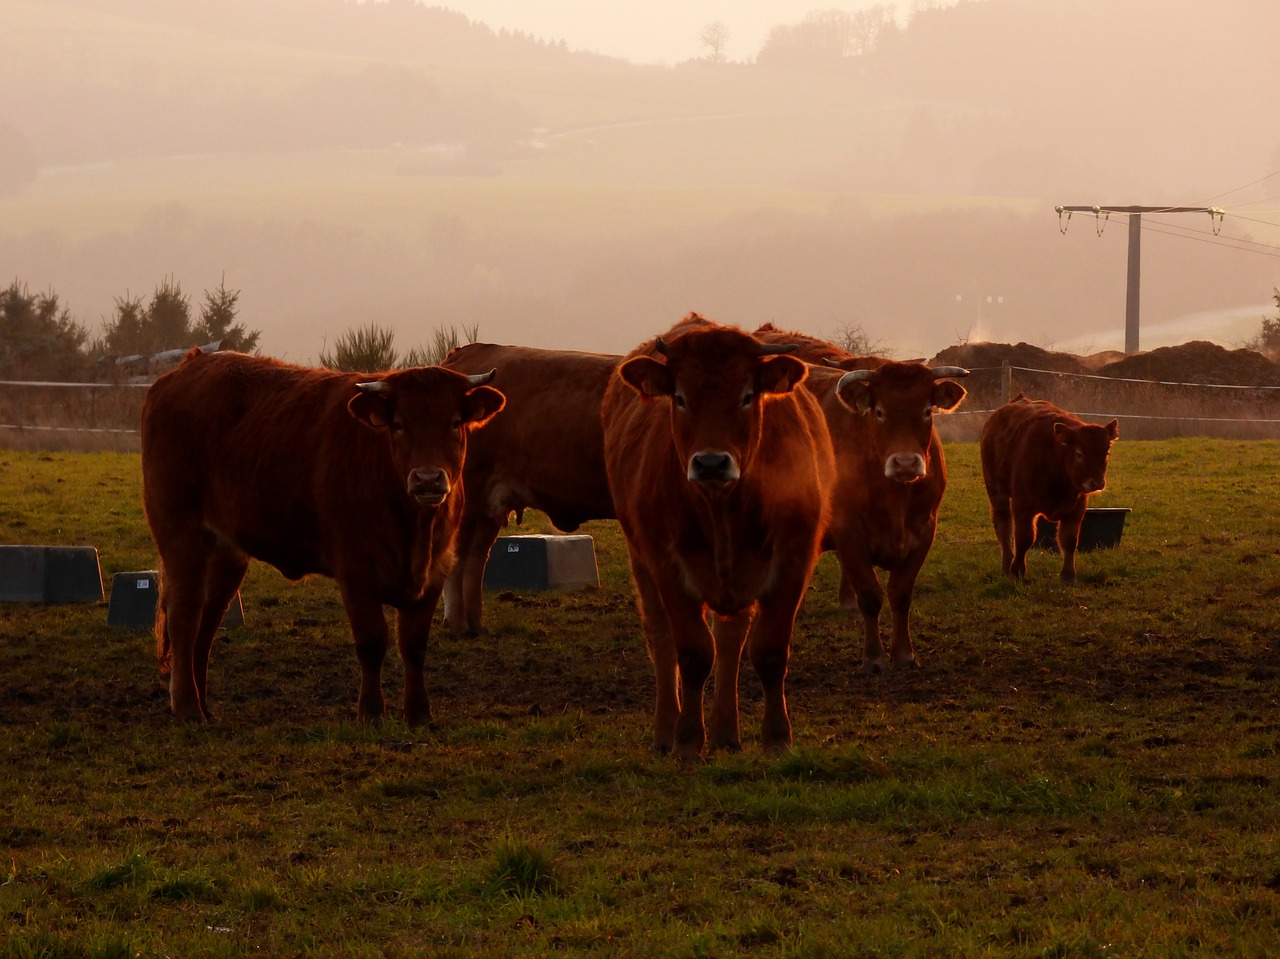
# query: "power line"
(1168, 229)
(1245, 187)
(1133, 284)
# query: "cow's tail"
(163, 651)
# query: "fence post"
(1006, 380)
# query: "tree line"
(40, 341)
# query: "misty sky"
(655, 31)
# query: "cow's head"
(426, 414)
(716, 380)
(899, 400)
(1084, 451)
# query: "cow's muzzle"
(429, 486)
(713, 468)
(905, 467)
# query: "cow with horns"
(347, 475)
(890, 478)
(719, 465)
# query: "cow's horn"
(939, 372)
(856, 376)
(480, 379)
(773, 349)
(375, 386)
(659, 346)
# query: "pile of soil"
(1197, 362)
(975, 356)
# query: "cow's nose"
(904, 467)
(429, 486)
(713, 467)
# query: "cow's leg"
(902, 585)
(730, 636)
(1069, 539)
(1002, 520)
(464, 590)
(662, 653)
(183, 561)
(848, 593)
(695, 653)
(1024, 535)
(413, 630)
(770, 649)
(223, 576)
(369, 633)
(864, 584)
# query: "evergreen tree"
(217, 321)
(38, 338)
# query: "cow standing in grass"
(719, 466)
(545, 452)
(350, 476)
(890, 477)
(1040, 460)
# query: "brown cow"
(545, 452)
(719, 468)
(348, 475)
(1039, 460)
(890, 477)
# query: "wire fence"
(1146, 409)
(87, 416)
(59, 416)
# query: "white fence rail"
(53, 414)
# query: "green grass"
(1081, 771)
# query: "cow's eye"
(928, 413)
(396, 426)
(747, 397)
(879, 412)
(680, 403)
(457, 422)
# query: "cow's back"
(1017, 447)
(546, 450)
(264, 454)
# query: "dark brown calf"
(1040, 460)
(350, 476)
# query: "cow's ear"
(1063, 434)
(780, 374)
(856, 395)
(481, 405)
(1113, 430)
(370, 409)
(648, 377)
(947, 394)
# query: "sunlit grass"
(1076, 771)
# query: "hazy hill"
(342, 162)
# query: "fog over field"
(893, 168)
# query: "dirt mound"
(1197, 362)
(976, 356)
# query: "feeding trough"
(50, 574)
(133, 602)
(1101, 529)
(541, 562)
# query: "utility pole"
(1131, 300)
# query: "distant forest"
(1025, 82)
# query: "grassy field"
(1087, 771)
